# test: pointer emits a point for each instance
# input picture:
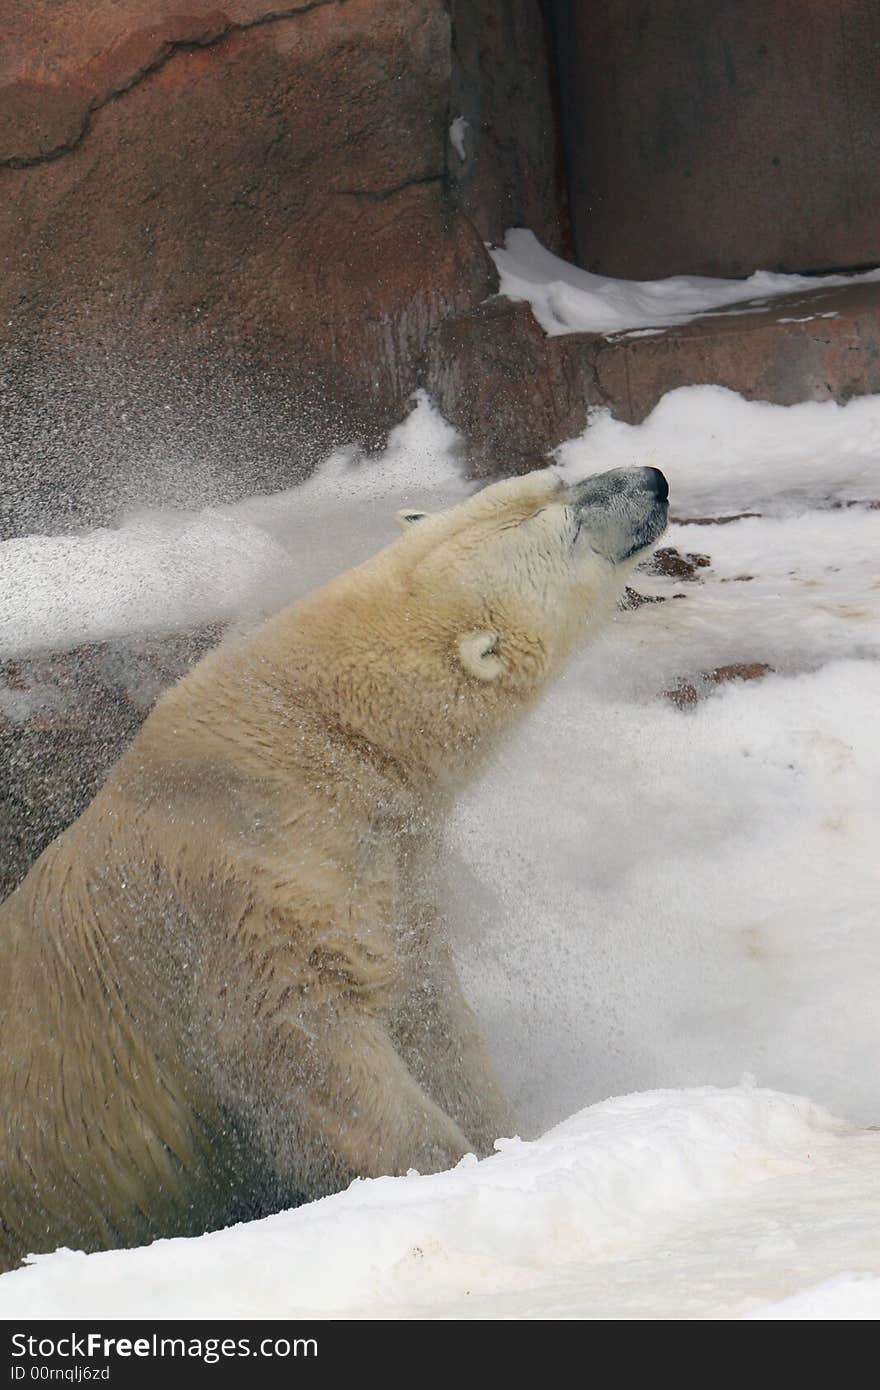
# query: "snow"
(618, 1212)
(808, 318)
(846, 1298)
(566, 299)
(645, 896)
(458, 135)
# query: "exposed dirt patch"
(631, 599)
(673, 565)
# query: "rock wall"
(225, 235)
(718, 137)
(505, 162)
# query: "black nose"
(658, 484)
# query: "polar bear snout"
(655, 482)
(621, 512)
(602, 488)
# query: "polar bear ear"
(477, 652)
(406, 516)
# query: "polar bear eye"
(406, 517)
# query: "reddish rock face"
(226, 224)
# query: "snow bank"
(165, 570)
(657, 896)
(724, 454)
(566, 299)
(593, 1193)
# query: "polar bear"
(227, 988)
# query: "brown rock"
(781, 350)
(683, 694)
(712, 520)
(686, 693)
(739, 671)
(224, 238)
(513, 392)
(632, 599)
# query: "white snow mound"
(607, 1185)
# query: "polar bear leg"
(303, 1054)
(334, 1102)
(370, 1111)
(440, 1041)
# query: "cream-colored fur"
(227, 987)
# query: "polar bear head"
(528, 566)
(431, 650)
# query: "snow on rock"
(457, 136)
(566, 299)
(610, 1185)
